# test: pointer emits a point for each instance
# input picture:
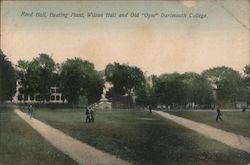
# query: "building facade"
(55, 96)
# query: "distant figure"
(92, 115)
(150, 108)
(218, 115)
(213, 106)
(243, 109)
(87, 113)
(30, 110)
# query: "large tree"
(7, 78)
(246, 81)
(125, 79)
(169, 89)
(44, 67)
(198, 89)
(24, 78)
(36, 77)
(79, 78)
(227, 81)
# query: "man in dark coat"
(150, 108)
(92, 114)
(243, 109)
(87, 113)
(218, 115)
(30, 110)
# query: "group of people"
(90, 114)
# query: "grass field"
(235, 122)
(142, 138)
(20, 144)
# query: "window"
(53, 90)
(26, 97)
(20, 97)
(31, 98)
(52, 98)
(58, 90)
(57, 97)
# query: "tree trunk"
(129, 104)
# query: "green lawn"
(235, 122)
(20, 144)
(142, 138)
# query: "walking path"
(80, 152)
(231, 139)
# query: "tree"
(246, 81)
(227, 81)
(44, 67)
(145, 94)
(189, 79)
(7, 78)
(198, 89)
(115, 73)
(247, 69)
(94, 87)
(36, 77)
(24, 78)
(80, 79)
(169, 89)
(125, 79)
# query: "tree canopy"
(36, 77)
(198, 89)
(227, 81)
(124, 78)
(169, 89)
(246, 81)
(80, 79)
(247, 69)
(7, 78)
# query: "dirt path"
(80, 152)
(233, 140)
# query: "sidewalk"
(230, 139)
(80, 152)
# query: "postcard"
(125, 82)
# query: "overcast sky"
(156, 45)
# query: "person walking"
(243, 109)
(30, 110)
(218, 114)
(87, 113)
(92, 115)
(150, 108)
